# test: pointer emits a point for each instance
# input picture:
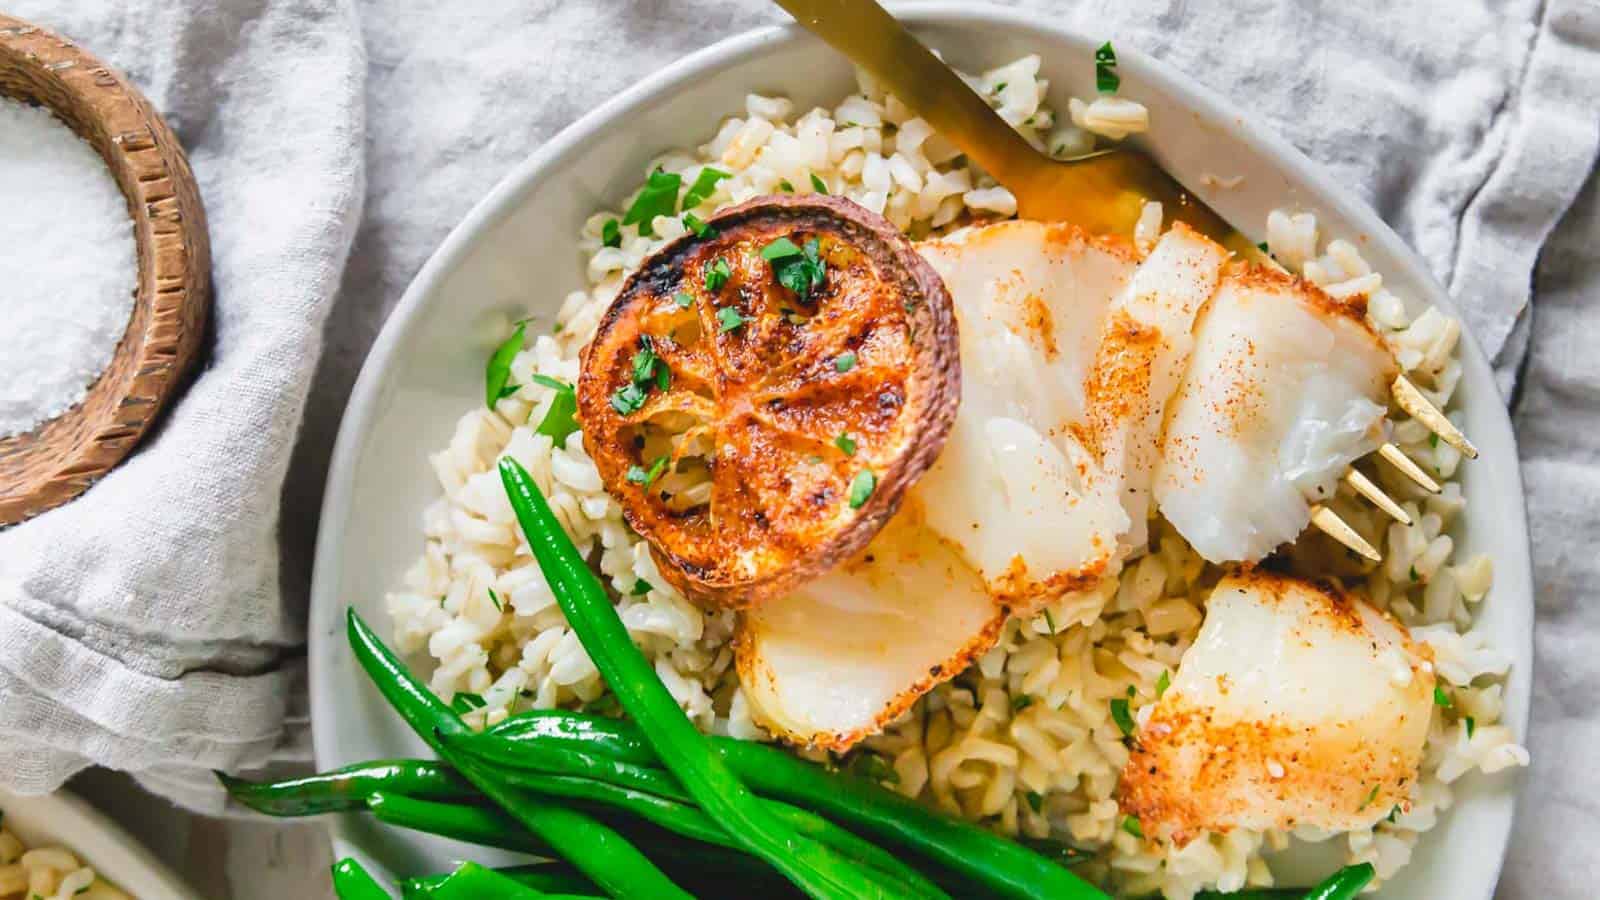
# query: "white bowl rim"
(1512, 560)
(101, 843)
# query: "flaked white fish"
(1286, 387)
(1069, 351)
(840, 658)
(1298, 704)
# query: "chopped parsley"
(873, 766)
(641, 475)
(728, 319)
(818, 185)
(1131, 825)
(497, 373)
(648, 367)
(464, 702)
(999, 87)
(1414, 573)
(800, 269)
(562, 418)
(1106, 80)
(845, 361)
(1035, 800)
(640, 588)
(705, 184)
(1394, 811)
(785, 186)
(1371, 796)
(1162, 683)
(1263, 248)
(846, 443)
(1472, 725)
(1440, 698)
(717, 275)
(1050, 621)
(629, 399)
(495, 599)
(659, 197)
(1433, 441)
(611, 233)
(861, 487)
(697, 225)
(684, 299)
(782, 248)
(1120, 715)
(1021, 702)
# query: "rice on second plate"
(1024, 741)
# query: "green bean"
(1003, 867)
(1343, 884)
(427, 715)
(471, 881)
(562, 759)
(552, 878)
(588, 732)
(347, 789)
(819, 871)
(352, 882)
(657, 798)
(491, 827)
(479, 825)
(597, 850)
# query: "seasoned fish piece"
(1298, 704)
(1285, 388)
(1013, 486)
(1143, 352)
(848, 652)
(1068, 354)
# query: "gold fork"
(1103, 192)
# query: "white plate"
(61, 819)
(516, 251)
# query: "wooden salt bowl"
(61, 458)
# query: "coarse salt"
(67, 267)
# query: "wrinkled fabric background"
(155, 624)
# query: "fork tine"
(1364, 486)
(1413, 402)
(1328, 522)
(1408, 468)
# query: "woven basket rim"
(61, 458)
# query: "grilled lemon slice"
(761, 393)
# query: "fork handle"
(866, 33)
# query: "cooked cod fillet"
(1069, 350)
(1285, 388)
(1298, 704)
(841, 657)
(1068, 355)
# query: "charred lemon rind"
(757, 378)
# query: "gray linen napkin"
(143, 626)
(1470, 125)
